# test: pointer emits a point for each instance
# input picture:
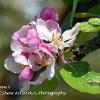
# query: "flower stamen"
(56, 39)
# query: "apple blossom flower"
(27, 39)
(50, 32)
(35, 47)
(25, 64)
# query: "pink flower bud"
(49, 13)
(26, 74)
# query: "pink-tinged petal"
(12, 66)
(47, 74)
(16, 53)
(26, 74)
(34, 60)
(32, 34)
(49, 13)
(33, 44)
(22, 33)
(45, 49)
(46, 29)
(15, 36)
(21, 59)
(43, 31)
(25, 54)
(27, 49)
(53, 26)
(40, 79)
(33, 40)
(15, 47)
(52, 48)
(23, 41)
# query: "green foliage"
(92, 25)
(94, 10)
(86, 27)
(79, 74)
(81, 77)
(69, 19)
(94, 21)
(93, 58)
(75, 2)
(81, 15)
(87, 30)
(66, 23)
(82, 38)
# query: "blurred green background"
(15, 13)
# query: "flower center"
(56, 39)
(43, 62)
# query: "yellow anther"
(56, 39)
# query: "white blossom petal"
(21, 59)
(47, 74)
(14, 46)
(51, 69)
(69, 34)
(43, 31)
(33, 59)
(40, 79)
(12, 66)
(63, 44)
(16, 53)
(69, 37)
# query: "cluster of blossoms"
(35, 47)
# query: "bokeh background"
(15, 13)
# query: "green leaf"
(80, 77)
(87, 30)
(93, 58)
(95, 10)
(47, 85)
(69, 18)
(92, 12)
(75, 2)
(82, 15)
(94, 21)
(86, 27)
(82, 38)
